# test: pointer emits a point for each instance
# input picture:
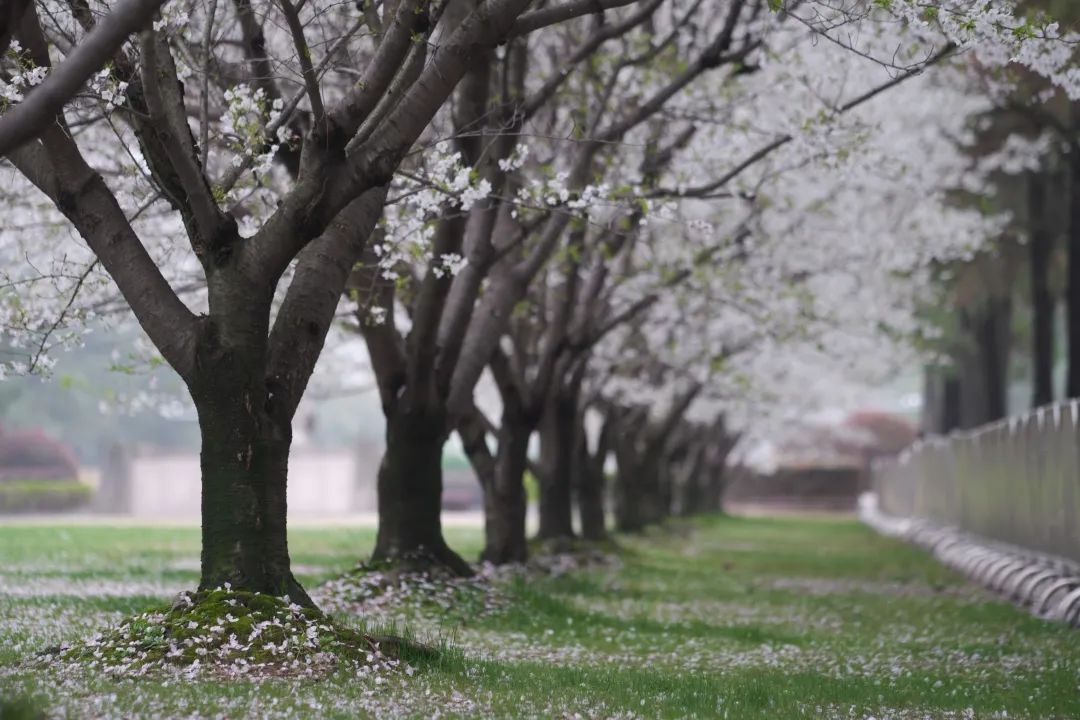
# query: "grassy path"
(726, 617)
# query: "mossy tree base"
(236, 634)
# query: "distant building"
(820, 466)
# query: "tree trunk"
(244, 461)
(473, 432)
(1042, 301)
(557, 435)
(982, 365)
(637, 493)
(715, 480)
(1072, 384)
(410, 494)
(663, 490)
(951, 404)
(941, 412)
(589, 473)
(994, 351)
(629, 493)
(691, 475)
(505, 509)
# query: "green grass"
(724, 617)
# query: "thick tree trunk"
(244, 461)
(1042, 301)
(557, 435)
(410, 494)
(505, 509)
(1072, 383)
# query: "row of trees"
(999, 321)
(643, 220)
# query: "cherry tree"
(199, 104)
(819, 299)
(276, 136)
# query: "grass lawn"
(722, 617)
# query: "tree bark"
(982, 365)
(628, 491)
(635, 491)
(1072, 384)
(591, 481)
(410, 494)
(1042, 301)
(666, 479)
(994, 352)
(472, 428)
(951, 414)
(651, 485)
(505, 506)
(715, 481)
(557, 438)
(691, 485)
(244, 462)
(941, 400)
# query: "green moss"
(239, 632)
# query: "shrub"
(33, 454)
(35, 495)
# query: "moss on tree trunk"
(244, 462)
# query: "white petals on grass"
(23, 586)
(225, 633)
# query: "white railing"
(1016, 481)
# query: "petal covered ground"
(722, 617)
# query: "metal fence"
(1016, 481)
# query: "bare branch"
(303, 54)
(212, 228)
(305, 316)
(562, 12)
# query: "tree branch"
(210, 229)
(82, 196)
(771, 147)
(303, 55)
(562, 12)
(322, 271)
(26, 120)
